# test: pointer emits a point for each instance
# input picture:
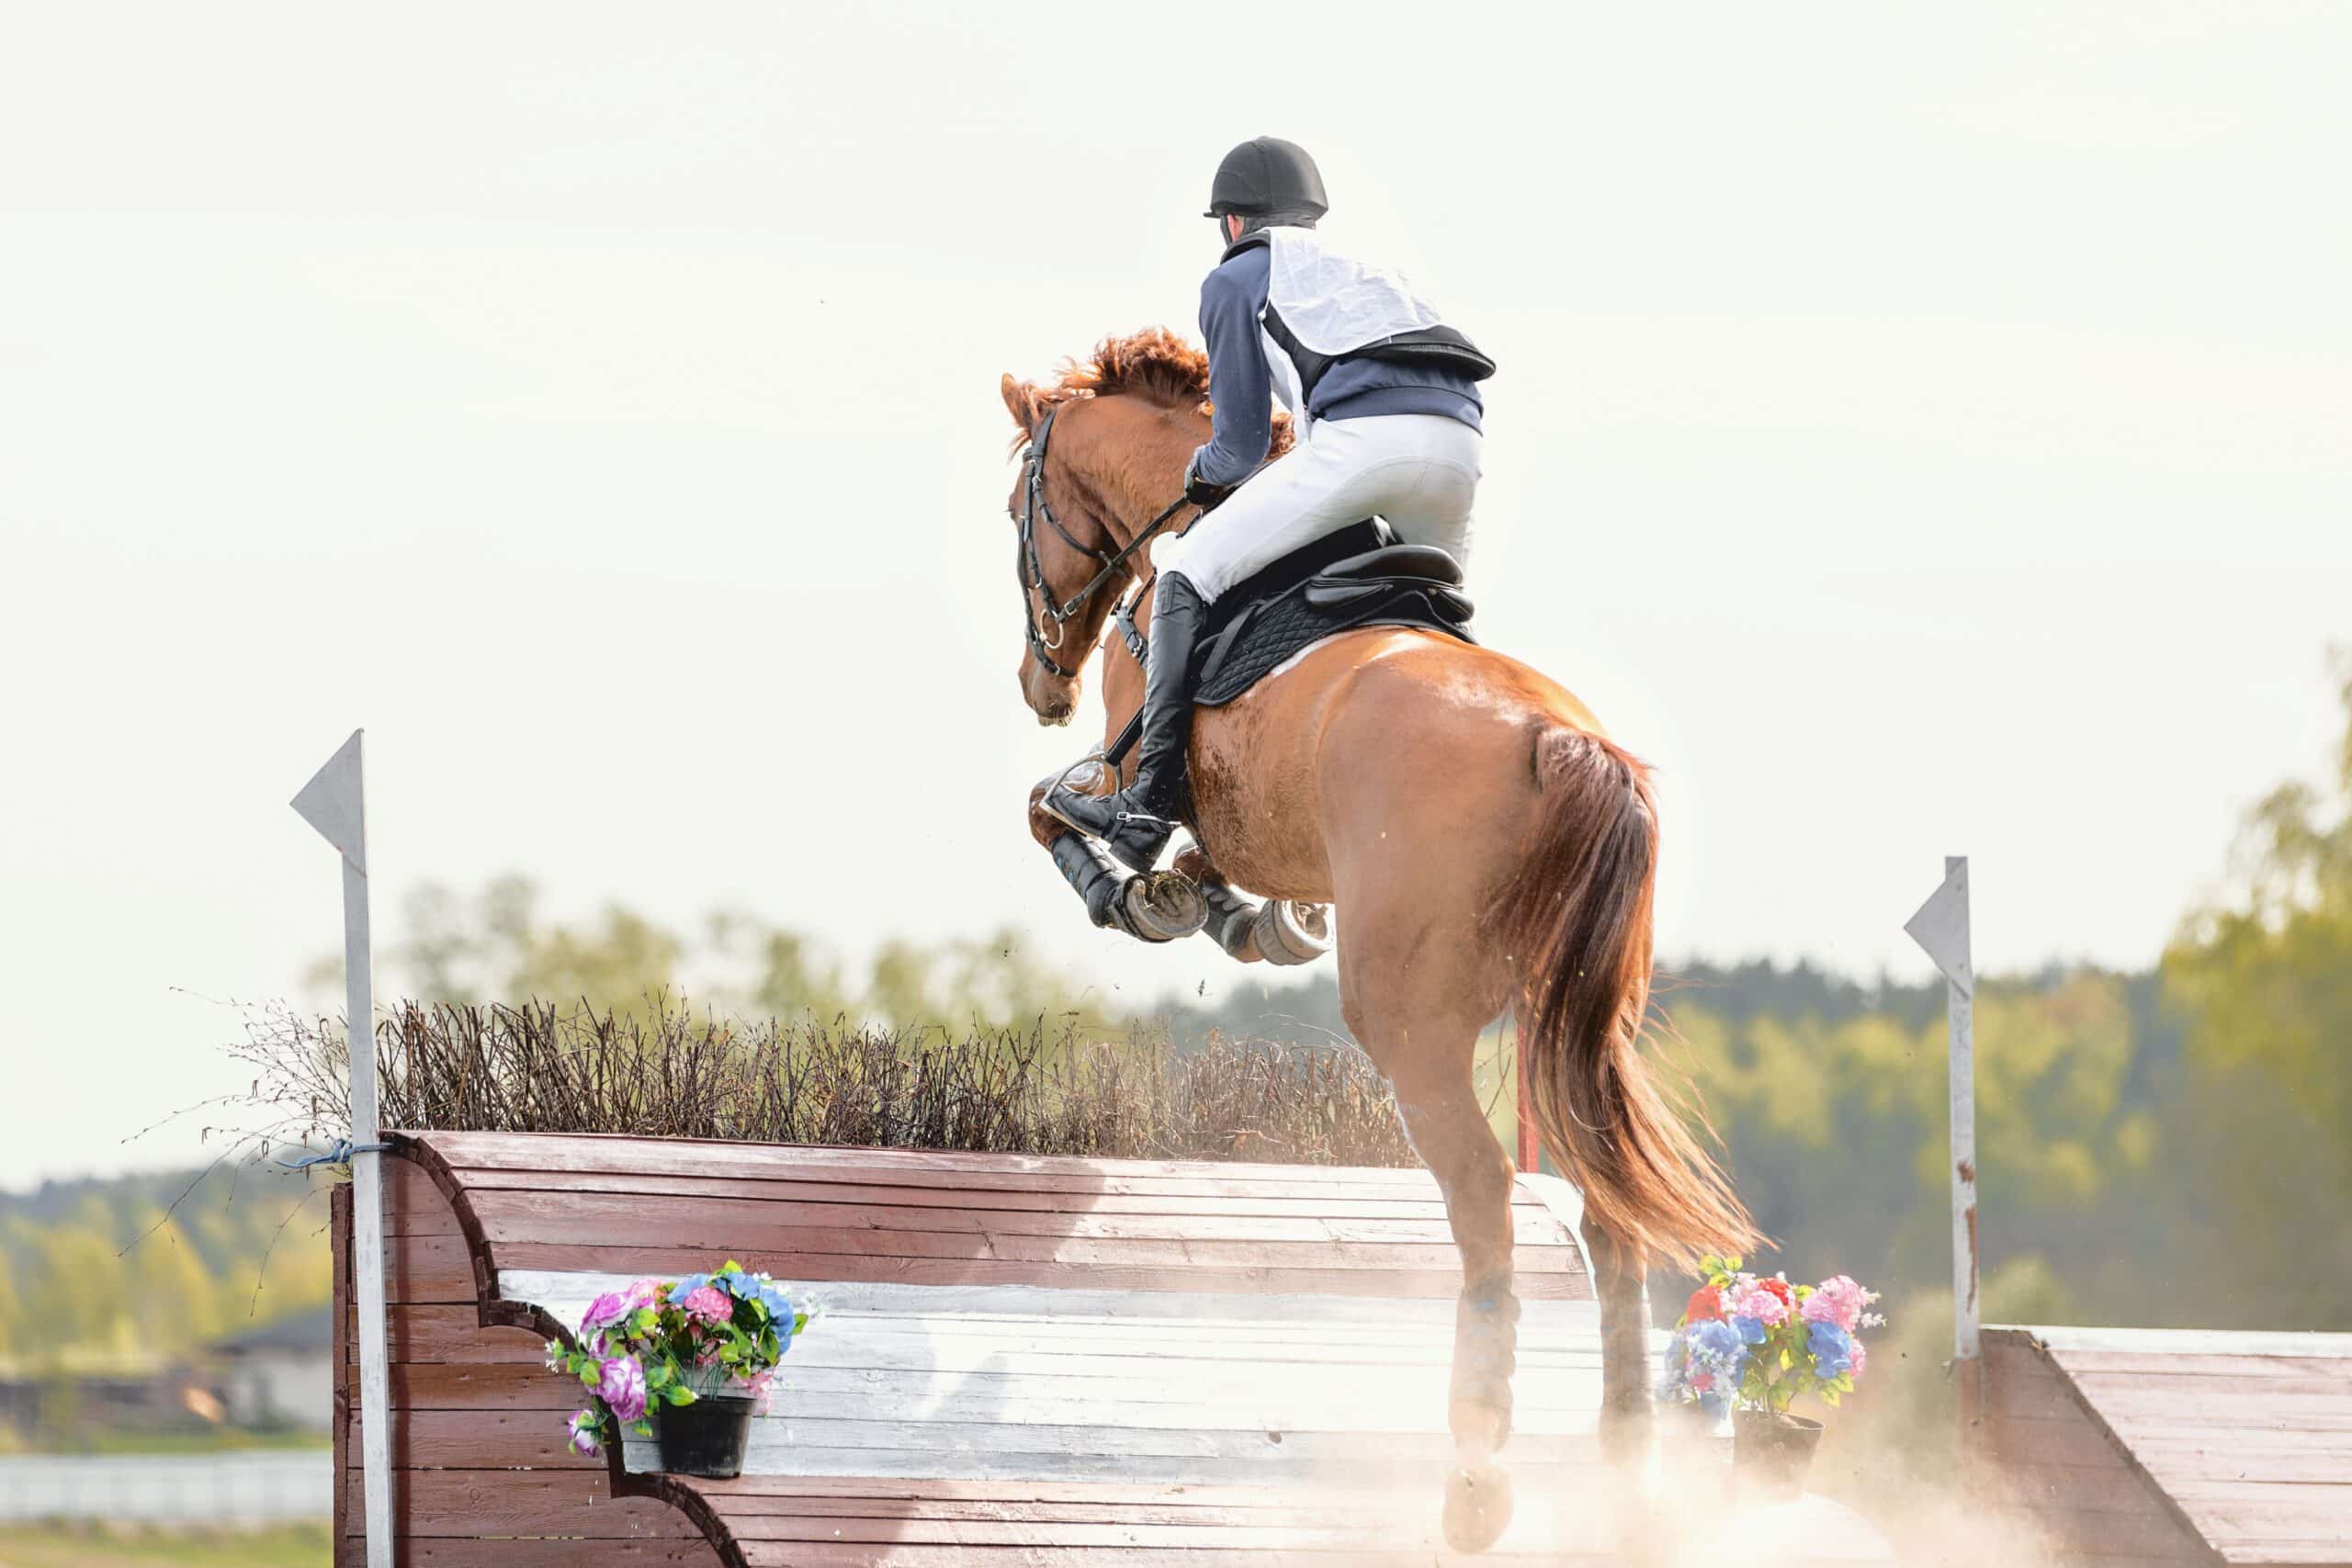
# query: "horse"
(1483, 844)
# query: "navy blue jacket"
(1233, 298)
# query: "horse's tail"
(1576, 918)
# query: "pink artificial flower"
(1769, 1308)
(622, 1386)
(1837, 1300)
(1702, 1382)
(1862, 1354)
(583, 1436)
(711, 1305)
(604, 1312)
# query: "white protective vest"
(1332, 304)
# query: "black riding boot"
(1135, 824)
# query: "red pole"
(1531, 1149)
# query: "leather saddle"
(1358, 577)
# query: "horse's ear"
(1021, 398)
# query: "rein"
(1032, 573)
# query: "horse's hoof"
(1290, 932)
(1163, 906)
(1477, 1507)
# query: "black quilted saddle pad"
(1359, 577)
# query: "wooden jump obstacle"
(2139, 1445)
(1024, 1360)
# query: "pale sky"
(1922, 430)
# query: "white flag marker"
(335, 803)
(1941, 928)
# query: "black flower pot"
(1772, 1452)
(706, 1438)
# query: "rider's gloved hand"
(1200, 492)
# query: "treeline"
(2172, 1147)
(119, 1275)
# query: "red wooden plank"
(430, 1552)
(559, 1164)
(2148, 1534)
(414, 1205)
(816, 1554)
(1340, 1203)
(487, 1439)
(465, 1502)
(2247, 1456)
(427, 1269)
(345, 1336)
(430, 1385)
(2075, 1443)
(2133, 1407)
(2085, 1489)
(724, 1495)
(731, 1227)
(1440, 1283)
(1273, 1507)
(1378, 1534)
(2145, 1364)
(618, 1218)
(591, 1151)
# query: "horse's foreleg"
(1155, 905)
(1448, 1130)
(1276, 931)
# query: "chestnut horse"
(1483, 844)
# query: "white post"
(1942, 927)
(335, 802)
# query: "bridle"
(1032, 573)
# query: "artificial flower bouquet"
(1756, 1344)
(672, 1342)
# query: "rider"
(1385, 407)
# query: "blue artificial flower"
(1717, 1343)
(687, 1287)
(1750, 1329)
(1833, 1350)
(780, 1307)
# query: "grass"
(66, 1546)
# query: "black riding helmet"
(1267, 176)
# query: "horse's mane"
(1155, 363)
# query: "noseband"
(1032, 573)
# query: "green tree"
(175, 1304)
(75, 1288)
(2265, 977)
(2267, 974)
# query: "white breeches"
(1420, 471)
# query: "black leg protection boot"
(1135, 823)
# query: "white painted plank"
(566, 1292)
(1331, 1409)
(2193, 1341)
(916, 1381)
(1085, 1357)
(815, 1446)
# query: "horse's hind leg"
(1277, 931)
(1620, 1283)
(1428, 1057)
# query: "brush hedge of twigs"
(670, 1073)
